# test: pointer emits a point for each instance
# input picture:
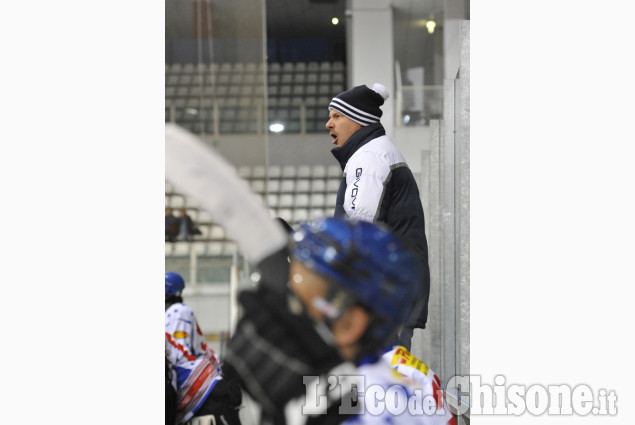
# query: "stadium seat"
(318, 185)
(200, 248)
(300, 214)
(332, 185)
(258, 172)
(285, 214)
(205, 231)
(331, 199)
(303, 186)
(304, 171)
(285, 200)
(273, 185)
(272, 200)
(275, 171)
(287, 185)
(316, 213)
(217, 233)
(215, 249)
(289, 171)
(250, 67)
(181, 249)
(334, 171)
(317, 200)
(301, 200)
(318, 171)
(177, 201)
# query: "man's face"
(340, 127)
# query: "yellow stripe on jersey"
(403, 356)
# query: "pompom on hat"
(361, 104)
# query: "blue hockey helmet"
(369, 263)
(174, 284)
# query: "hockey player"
(350, 287)
(201, 391)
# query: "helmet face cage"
(366, 261)
(174, 284)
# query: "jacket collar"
(356, 141)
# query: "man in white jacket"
(377, 185)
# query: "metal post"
(216, 118)
(302, 118)
(193, 264)
(233, 293)
(447, 161)
(260, 118)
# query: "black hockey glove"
(273, 348)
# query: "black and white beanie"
(361, 104)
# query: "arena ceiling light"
(276, 127)
(431, 24)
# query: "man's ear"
(350, 327)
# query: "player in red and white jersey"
(199, 384)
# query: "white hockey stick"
(199, 172)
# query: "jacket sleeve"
(366, 176)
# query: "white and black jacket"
(377, 185)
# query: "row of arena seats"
(238, 92)
(293, 193)
(251, 67)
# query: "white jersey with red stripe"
(195, 365)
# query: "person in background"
(377, 184)
(187, 228)
(171, 225)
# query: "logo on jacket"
(358, 174)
